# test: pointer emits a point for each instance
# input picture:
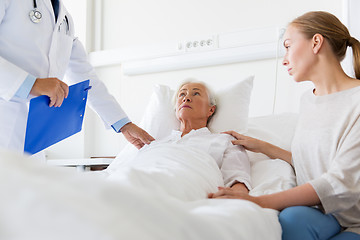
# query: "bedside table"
(81, 164)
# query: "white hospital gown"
(232, 160)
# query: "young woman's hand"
(259, 146)
(249, 143)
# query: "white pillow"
(232, 107)
(271, 176)
(277, 129)
(275, 175)
(231, 114)
(159, 117)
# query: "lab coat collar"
(62, 13)
(49, 7)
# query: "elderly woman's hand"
(249, 143)
(136, 136)
(230, 193)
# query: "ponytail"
(355, 45)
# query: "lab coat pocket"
(62, 53)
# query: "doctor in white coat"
(37, 49)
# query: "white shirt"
(326, 152)
(231, 159)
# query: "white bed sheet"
(139, 201)
(186, 174)
(49, 203)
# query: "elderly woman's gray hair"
(212, 99)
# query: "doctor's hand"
(54, 88)
(136, 136)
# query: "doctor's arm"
(135, 135)
(17, 82)
(101, 100)
(54, 88)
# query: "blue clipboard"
(49, 125)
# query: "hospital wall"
(129, 23)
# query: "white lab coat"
(44, 49)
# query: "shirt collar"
(193, 131)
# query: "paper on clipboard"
(49, 125)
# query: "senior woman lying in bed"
(189, 162)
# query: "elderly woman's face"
(192, 103)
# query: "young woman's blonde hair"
(333, 30)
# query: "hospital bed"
(46, 202)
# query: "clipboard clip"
(88, 88)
